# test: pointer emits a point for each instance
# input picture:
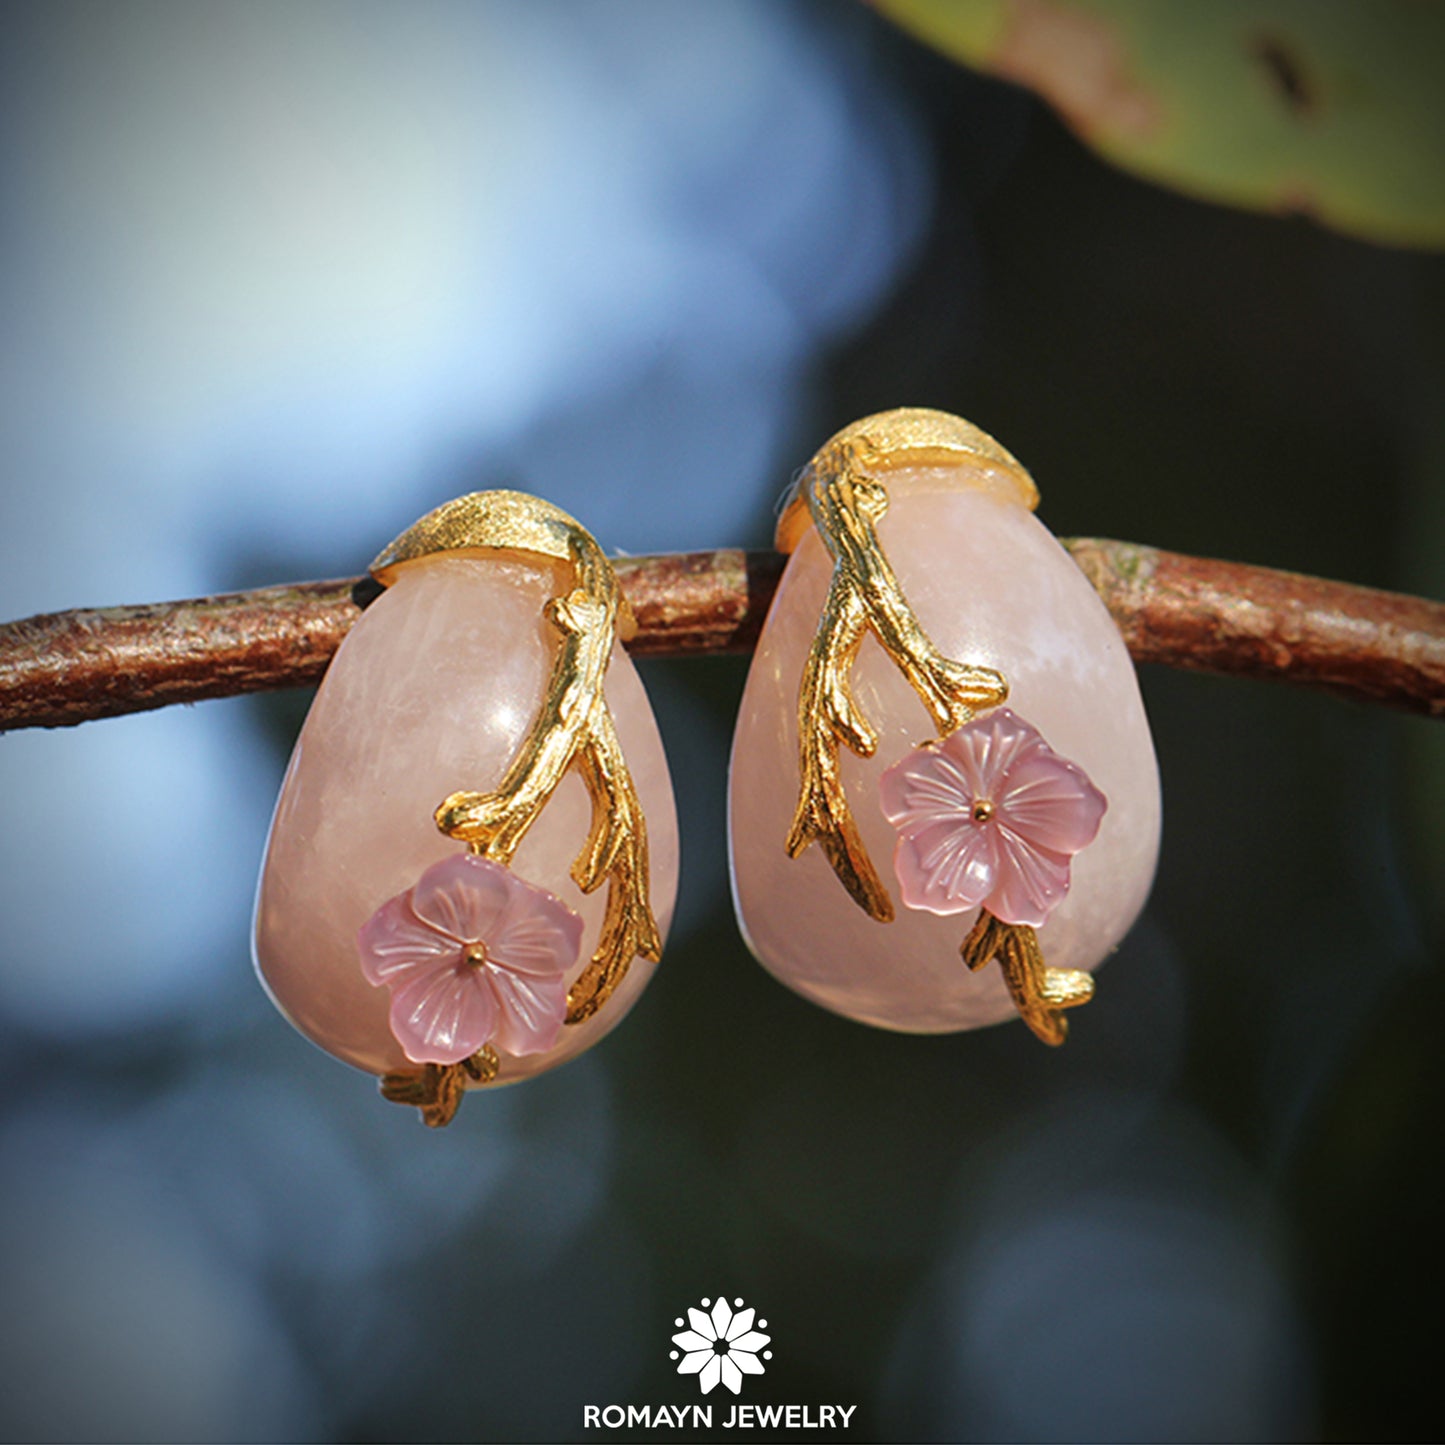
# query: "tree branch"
(1188, 612)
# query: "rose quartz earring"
(921, 593)
(479, 730)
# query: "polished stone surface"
(433, 691)
(991, 586)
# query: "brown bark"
(1188, 612)
(1226, 617)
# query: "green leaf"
(1335, 108)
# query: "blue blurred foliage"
(275, 279)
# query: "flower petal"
(711, 1374)
(691, 1364)
(702, 1324)
(1032, 881)
(947, 868)
(538, 934)
(984, 750)
(742, 1323)
(747, 1362)
(444, 1016)
(463, 896)
(732, 1377)
(690, 1340)
(394, 942)
(1051, 802)
(530, 1010)
(722, 1317)
(749, 1343)
(924, 788)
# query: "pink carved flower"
(472, 955)
(991, 815)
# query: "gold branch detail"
(617, 849)
(573, 728)
(826, 715)
(846, 501)
(437, 1091)
(1039, 993)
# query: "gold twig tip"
(1038, 992)
(437, 1090)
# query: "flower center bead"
(475, 954)
(982, 810)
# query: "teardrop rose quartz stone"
(432, 692)
(991, 586)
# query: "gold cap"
(913, 436)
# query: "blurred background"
(275, 279)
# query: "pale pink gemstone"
(991, 586)
(434, 691)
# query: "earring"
(1016, 833)
(478, 731)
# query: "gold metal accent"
(845, 501)
(574, 727)
(475, 954)
(915, 436)
(1039, 993)
(982, 810)
(483, 523)
(438, 1089)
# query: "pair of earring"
(474, 857)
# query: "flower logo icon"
(722, 1346)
